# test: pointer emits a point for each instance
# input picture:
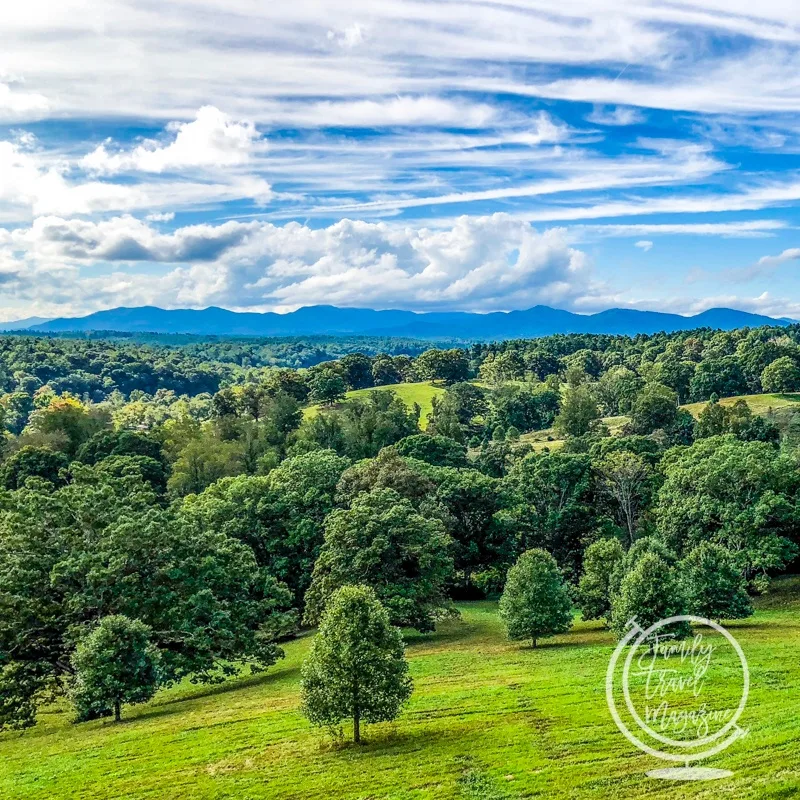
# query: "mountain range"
(330, 320)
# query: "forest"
(173, 513)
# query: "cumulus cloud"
(213, 139)
(645, 245)
(479, 263)
(166, 216)
(33, 183)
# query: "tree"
(115, 664)
(720, 376)
(30, 462)
(655, 408)
(617, 389)
(578, 411)
(383, 542)
(535, 603)
(713, 584)
(356, 668)
(782, 375)
(102, 546)
(741, 495)
(522, 407)
(450, 366)
(600, 561)
(437, 450)
(118, 443)
(551, 504)
(279, 516)
(471, 501)
(327, 387)
(714, 420)
(649, 592)
(356, 370)
(70, 419)
(627, 479)
(388, 470)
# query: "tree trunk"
(534, 641)
(357, 726)
(117, 713)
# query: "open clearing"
(488, 719)
(759, 403)
(409, 393)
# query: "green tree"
(617, 389)
(550, 503)
(713, 584)
(535, 603)
(30, 462)
(600, 561)
(356, 668)
(383, 542)
(326, 387)
(578, 413)
(356, 370)
(450, 366)
(655, 408)
(720, 376)
(741, 495)
(437, 450)
(650, 591)
(104, 545)
(115, 664)
(782, 375)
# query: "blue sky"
(451, 154)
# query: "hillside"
(329, 320)
(487, 715)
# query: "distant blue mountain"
(330, 320)
(22, 324)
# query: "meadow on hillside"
(489, 719)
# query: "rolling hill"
(330, 320)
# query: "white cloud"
(616, 116)
(166, 216)
(380, 113)
(33, 183)
(645, 245)
(749, 229)
(792, 254)
(479, 263)
(16, 104)
(349, 37)
(213, 139)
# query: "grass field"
(409, 393)
(489, 719)
(759, 403)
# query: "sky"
(476, 155)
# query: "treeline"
(187, 536)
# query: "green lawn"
(489, 719)
(759, 403)
(409, 393)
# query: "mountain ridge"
(332, 320)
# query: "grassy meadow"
(489, 720)
(409, 393)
